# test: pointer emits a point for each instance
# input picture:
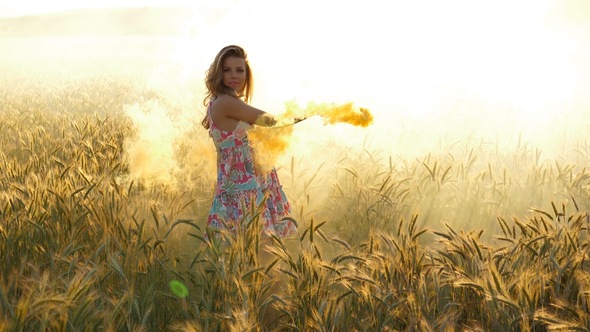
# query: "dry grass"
(447, 242)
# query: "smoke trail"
(345, 113)
(151, 150)
(168, 146)
(162, 151)
(270, 142)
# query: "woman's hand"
(265, 120)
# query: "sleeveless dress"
(240, 185)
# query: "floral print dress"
(240, 185)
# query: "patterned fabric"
(240, 185)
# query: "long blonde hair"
(214, 78)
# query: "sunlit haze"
(36, 7)
(427, 70)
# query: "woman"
(240, 184)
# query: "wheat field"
(468, 237)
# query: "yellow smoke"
(270, 142)
(345, 113)
(151, 149)
(162, 148)
(159, 151)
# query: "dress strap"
(209, 110)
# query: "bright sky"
(32, 7)
(528, 61)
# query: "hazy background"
(427, 70)
(434, 74)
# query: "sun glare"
(414, 61)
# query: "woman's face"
(234, 73)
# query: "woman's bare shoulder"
(224, 102)
(235, 108)
(228, 99)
